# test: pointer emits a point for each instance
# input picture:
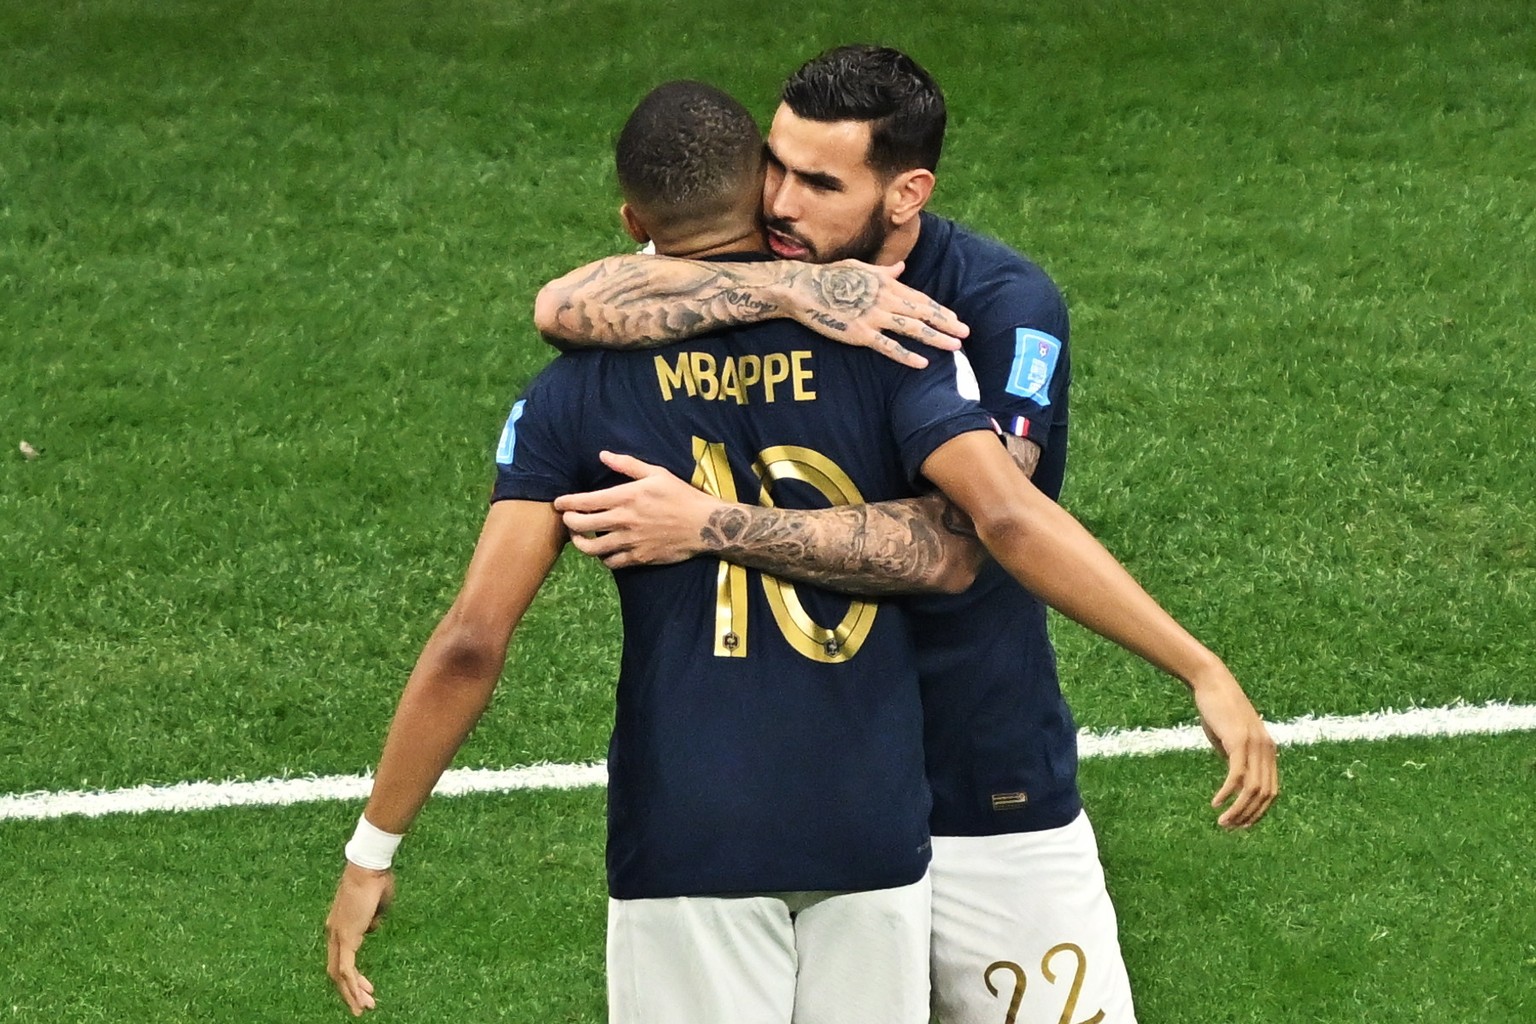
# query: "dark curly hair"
(687, 153)
(885, 87)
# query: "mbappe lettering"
(774, 376)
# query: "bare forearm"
(1055, 557)
(915, 545)
(441, 703)
(635, 301)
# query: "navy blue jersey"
(1001, 743)
(767, 736)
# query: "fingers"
(601, 545)
(623, 559)
(609, 497)
(361, 898)
(911, 327)
(925, 320)
(1230, 787)
(593, 501)
(611, 549)
(916, 315)
(912, 324)
(362, 995)
(895, 350)
(341, 964)
(630, 466)
(1252, 782)
(601, 521)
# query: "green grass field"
(266, 278)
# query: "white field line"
(1457, 720)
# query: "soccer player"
(768, 809)
(767, 833)
(768, 842)
(1018, 886)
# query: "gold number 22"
(1050, 976)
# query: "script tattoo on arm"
(635, 301)
(908, 546)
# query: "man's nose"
(783, 204)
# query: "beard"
(864, 246)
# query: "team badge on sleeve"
(1034, 364)
(508, 443)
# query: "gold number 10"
(712, 474)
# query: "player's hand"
(864, 305)
(655, 519)
(362, 898)
(1238, 734)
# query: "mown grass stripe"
(1457, 720)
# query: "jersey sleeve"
(536, 457)
(932, 405)
(1020, 353)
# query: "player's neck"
(899, 243)
(728, 242)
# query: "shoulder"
(566, 370)
(995, 264)
(984, 279)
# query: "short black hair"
(687, 153)
(880, 85)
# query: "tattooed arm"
(914, 545)
(1026, 454)
(909, 546)
(636, 301)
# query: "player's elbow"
(546, 312)
(465, 652)
(1002, 526)
(957, 570)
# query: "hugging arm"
(1049, 552)
(907, 546)
(639, 301)
(912, 545)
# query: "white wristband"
(372, 847)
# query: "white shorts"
(777, 958)
(1023, 931)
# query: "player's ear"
(907, 194)
(632, 225)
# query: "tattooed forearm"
(637, 301)
(893, 547)
(749, 306)
(1026, 454)
(954, 520)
